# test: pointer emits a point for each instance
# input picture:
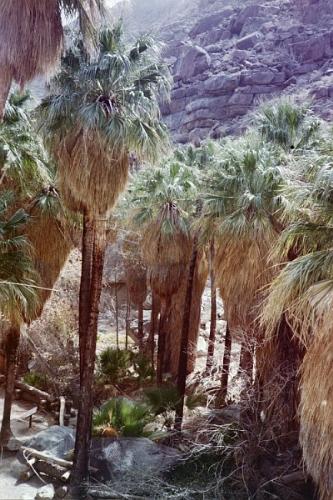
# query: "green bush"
(125, 416)
(142, 367)
(162, 399)
(114, 364)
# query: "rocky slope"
(226, 57)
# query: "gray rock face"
(194, 61)
(249, 41)
(221, 83)
(238, 22)
(226, 56)
(211, 21)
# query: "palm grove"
(253, 213)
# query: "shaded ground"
(9, 487)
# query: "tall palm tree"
(163, 201)
(243, 211)
(136, 277)
(99, 112)
(25, 175)
(31, 37)
(303, 293)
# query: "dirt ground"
(10, 489)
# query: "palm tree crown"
(101, 111)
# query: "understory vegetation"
(249, 217)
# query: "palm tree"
(136, 277)
(303, 293)
(31, 37)
(99, 112)
(163, 201)
(18, 297)
(24, 172)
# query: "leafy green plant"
(142, 367)
(125, 416)
(36, 379)
(162, 399)
(114, 364)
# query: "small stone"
(45, 493)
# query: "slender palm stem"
(183, 357)
(213, 309)
(12, 344)
(80, 471)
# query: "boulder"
(222, 83)
(114, 458)
(238, 98)
(238, 55)
(262, 77)
(110, 457)
(194, 61)
(47, 492)
(238, 21)
(55, 440)
(249, 41)
(211, 21)
(313, 49)
(212, 103)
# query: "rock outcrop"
(228, 56)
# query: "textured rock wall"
(226, 59)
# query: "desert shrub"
(128, 418)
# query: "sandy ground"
(9, 487)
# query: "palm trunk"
(225, 367)
(161, 342)
(278, 384)
(84, 301)
(117, 311)
(153, 323)
(12, 344)
(140, 324)
(246, 362)
(213, 308)
(80, 472)
(128, 314)
(183, 356)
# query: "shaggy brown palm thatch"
(242, 270)
(31, 37)
(316, 412)
(86, 162)
(51, 244)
